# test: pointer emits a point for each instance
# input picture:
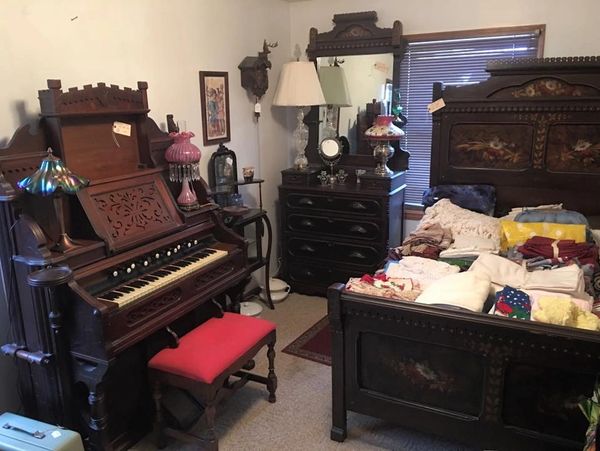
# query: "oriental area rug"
(314, 344)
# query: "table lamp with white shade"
(299, 86)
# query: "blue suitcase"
(19, 433)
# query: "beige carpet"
(301, 417)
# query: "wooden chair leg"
(271, 378)
(210, 411)
(159, 435)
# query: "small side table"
(259, 218)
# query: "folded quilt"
(502, 271)
(381, 285)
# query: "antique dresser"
(333, 232)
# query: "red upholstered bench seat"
(209, 349)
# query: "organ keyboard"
(141, 263)
(147, 282)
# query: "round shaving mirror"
(330, 150)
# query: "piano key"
(162, 277)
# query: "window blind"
(456, 61)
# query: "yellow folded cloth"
(515, 233)
(562, 311)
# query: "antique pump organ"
(85, 320)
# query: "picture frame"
(214, 100)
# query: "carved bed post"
(338, 377)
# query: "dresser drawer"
(333, 203)
(319, 276)
(348, 228)
(343, 253)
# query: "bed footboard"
(491, 382)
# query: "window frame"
(415, 211)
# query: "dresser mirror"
(368, 78)
(370, 58)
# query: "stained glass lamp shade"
(53, 178)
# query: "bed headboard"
(532, 130)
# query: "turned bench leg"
(159, 435)
(271, 378)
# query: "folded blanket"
(502, 272)
(561, 311)
(539, 246)
(422, 270)
(469, 246)
(516, 233)
(468, 290)
(426, 241)
(462, 221)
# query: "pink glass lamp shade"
(380, 135)
(184, 158)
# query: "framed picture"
(214, 97)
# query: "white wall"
(162, 42)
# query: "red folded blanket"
(540, 246)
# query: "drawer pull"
(358, 229)
(306, 201)
(358, 255)
(307, 223)
(358, 206)
(307, 248)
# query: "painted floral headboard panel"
(532, 130)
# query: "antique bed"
(482, 380)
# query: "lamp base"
(301, 162)
(382, 153)
(64, 244)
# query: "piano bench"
(203, 364)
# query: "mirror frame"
(354, 34)
(330, 158)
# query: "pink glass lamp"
(184, 158)
(380, 135)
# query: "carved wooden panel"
(574, 148)
(130, 211)
(139, 314)
(92, 99)
(545, 87)
(493, 146)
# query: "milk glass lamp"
(299, 87)
(379, 136)
(53, 178)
